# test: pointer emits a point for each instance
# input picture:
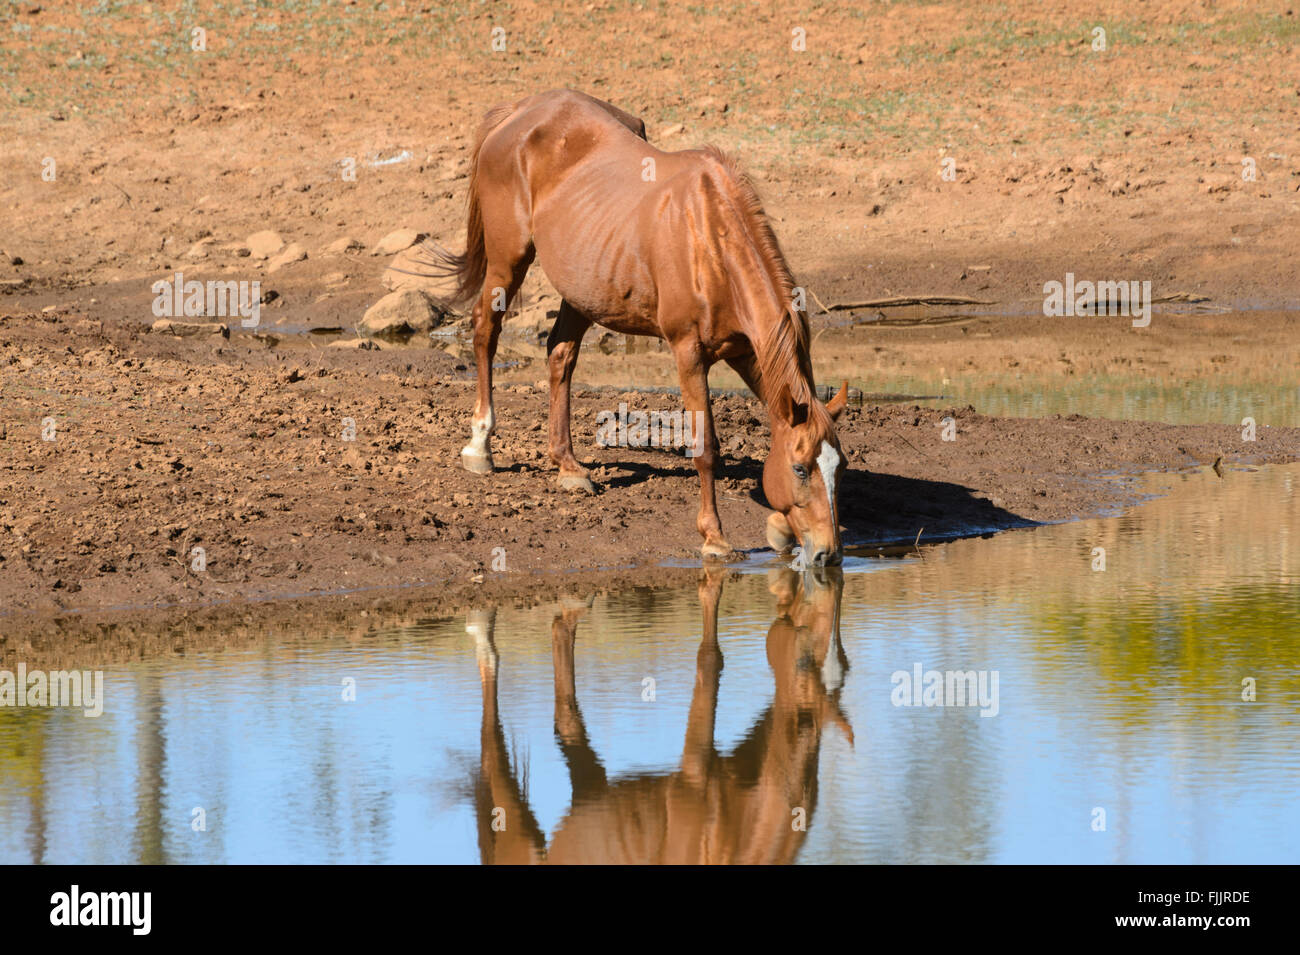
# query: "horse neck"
(761, 305)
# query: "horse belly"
(608, 288)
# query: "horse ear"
(837, 404)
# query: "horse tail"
(467, 269)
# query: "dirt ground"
(126, 155)
(161, 444)
(1124, 162)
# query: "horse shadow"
(887, 508)
(874, 508)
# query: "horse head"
(802, 476)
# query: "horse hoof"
(478, 463)
(720, 551)
(779, 535)
(577, 482)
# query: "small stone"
(294, 253)
(201, 248)
(263, 245)
(607, 343)
(403, 313)
(398, 241)
(408, 271)
(344, 245)
(190, 329)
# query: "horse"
(673, 245)
(753, 805)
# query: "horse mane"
(784, 359)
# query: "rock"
(362, 344)
(398, 241)
(263, 245)
(532, 323)
(188, 329)
(334, 278)
(608, 342)
(294, 253)
(458, 350)
(439, 286)
(403, 313)
(344, 245)
(200, 249)
(674, 130)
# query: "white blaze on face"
(827, 461)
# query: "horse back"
(614, 220)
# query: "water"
(1172, 400)
(1119, 691)
(1184, 369)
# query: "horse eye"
(801, 472)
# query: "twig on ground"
(899, 300)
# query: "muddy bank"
(97, 638)
(130, 459)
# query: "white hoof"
(779, 534)
(577, 482)
(476, 461)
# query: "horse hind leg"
(504, 276)
(561, 357)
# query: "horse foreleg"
(694, 376)
(561, 357)
(780, 535)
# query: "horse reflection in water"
(752, 806)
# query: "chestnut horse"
(645, 242)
